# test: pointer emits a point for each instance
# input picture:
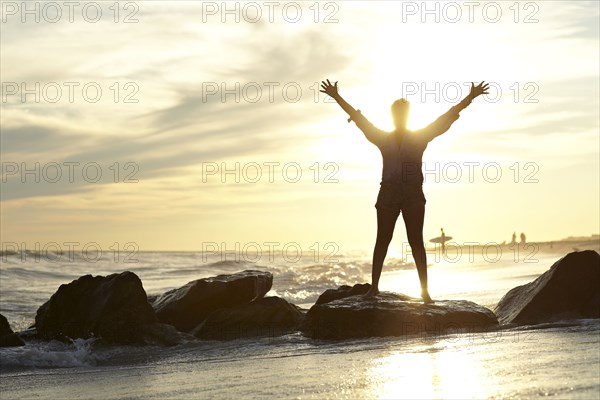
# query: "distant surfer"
(402, 179)
(442, 239)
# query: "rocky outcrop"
(114, 308)
(188, 306)
(7, 337)
(163, 335)
(569, 289)
(390, 314)
(343, 291)
(268, 316)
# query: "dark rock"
(390, 314)
(163, 335)
(114, 308)
(187, 306)
(343, 291)
(11, 340)
(28, 334)
(569, 289)
(4, 326)
(268, 316)
(7, 337)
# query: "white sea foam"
(55, 354)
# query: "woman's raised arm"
(373, 134)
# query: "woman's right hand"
(328, 88)
(478, 90)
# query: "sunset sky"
(171, 127)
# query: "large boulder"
(343, 291)
(163, 335)
(268, 316)
(189, 305)
(569, 289)
(391, 314)
(114, 308)
(7, 337)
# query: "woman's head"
(400, 110)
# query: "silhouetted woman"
(402, 179)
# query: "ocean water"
(561, 360)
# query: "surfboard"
(440, 239)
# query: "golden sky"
(210, 130)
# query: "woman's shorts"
(397, 197)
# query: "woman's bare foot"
(371, 293)
(425, 296)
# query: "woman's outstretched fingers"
(328, 88)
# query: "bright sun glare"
(434, 373)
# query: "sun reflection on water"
(448, 373)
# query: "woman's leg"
(414, 216)
(386, 221)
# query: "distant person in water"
(402, 179)
(443, 239)
(523, 238)
(514, 238)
